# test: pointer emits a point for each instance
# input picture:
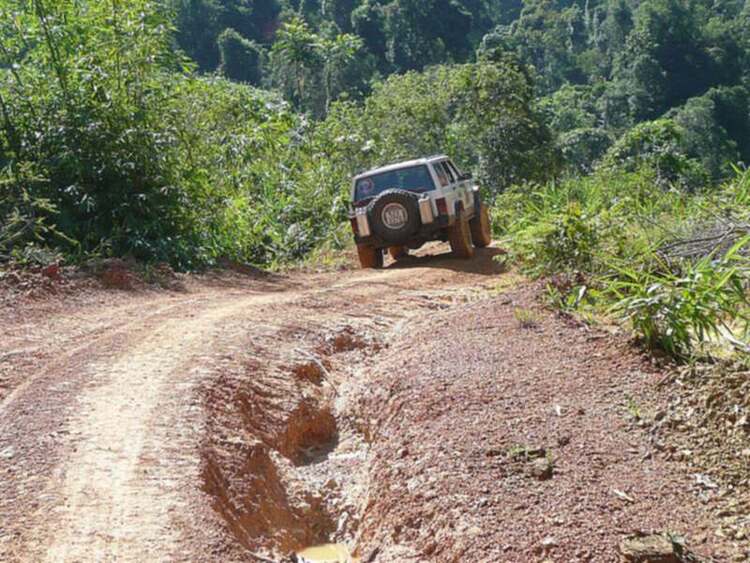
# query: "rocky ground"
(510, 434)
(433, 411)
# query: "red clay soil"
(496, 442)
(405, 412)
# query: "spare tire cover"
(394, 216)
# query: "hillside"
(191, 369)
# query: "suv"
(405, 205)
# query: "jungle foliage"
(675, 266)
(191, 130)
(600, 67)
(112, 144)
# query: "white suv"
(405, 205)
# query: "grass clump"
(526, 318)
(679, 312)
(605, 244)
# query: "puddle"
(330, 553)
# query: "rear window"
(413, 179)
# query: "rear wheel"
(398, 252)
(369, 257)
(481, 230)
(459, 236)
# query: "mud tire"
(370, 258)
(459, 236)
(398, 252)
(481, 229)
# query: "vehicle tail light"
(355, 228)
(425, 211)
(442, 206)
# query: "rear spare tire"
(394, 216)
(481, 230)
(459, 236)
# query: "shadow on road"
(483, 263)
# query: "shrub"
(657, 145)
(677, 312)
(599, 239)
(24, 217)
(577, 223)
(571, 241)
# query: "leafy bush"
(565, 240)
(570, 242)
(24, 218)
(676, 312)
(576, 223)
(600, 240)
(658, 145)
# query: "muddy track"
(249, 419)
(106, 411)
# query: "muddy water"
(330, 553)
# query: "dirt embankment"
(428, 412)
(528, 441)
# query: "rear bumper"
(426, 233)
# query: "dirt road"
(250, 417)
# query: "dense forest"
(187, 131)
(599, 67)
(159, 128)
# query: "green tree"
(706, 122)
(295, 48)
(548, 38)
(482, 114)
(665, 60)
(658, 145)
(240, 59)
(198, 24)
(368, 21)
(340, 11)
(419, 33)
(571, 107)
(337, 53)
(581, 149)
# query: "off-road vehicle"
(403, 206)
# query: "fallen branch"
(710, 240)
